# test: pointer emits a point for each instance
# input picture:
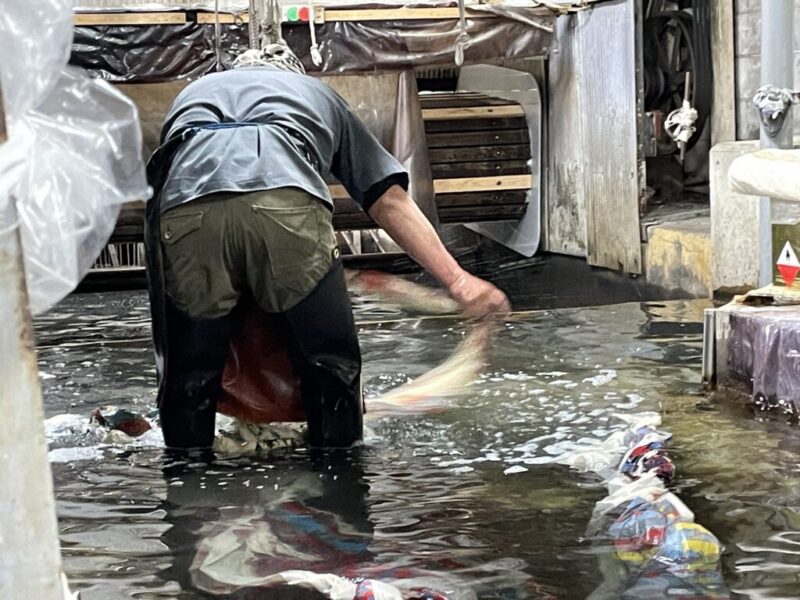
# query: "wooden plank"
(490, 125)
(132, 18)
(206, 18)
(474, 153)
(723, 57)
(428, 96)
(480, 169)
(378, 14)
(459, 101)
(472, 112)
(479, 214)
(348, 216)
(461, 200)
(463, 184)
(482, 184)
(486, 199)
(477, 138)
(401, 14)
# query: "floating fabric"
(649, 458)
(120, 419)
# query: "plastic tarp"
(771, 172)
(151, 53)
(234, 6)
(148, 54)
(762, 356)
(73, 153)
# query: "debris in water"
(120, 419)
(655, 539)
(515, 469)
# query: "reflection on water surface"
(465, 497)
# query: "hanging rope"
(462, 41)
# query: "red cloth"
(259, 384)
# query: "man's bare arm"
(398, 214)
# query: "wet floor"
(465, 498)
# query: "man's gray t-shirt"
(278, 129)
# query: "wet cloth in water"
(275, 245)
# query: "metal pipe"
(709, 347)
(777, 69)
(30, 560)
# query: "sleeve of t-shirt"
(365, 168)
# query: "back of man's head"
(278, 56)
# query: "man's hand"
(399, 215)
(478, 298)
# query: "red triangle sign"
(789, 273)
(788, 265)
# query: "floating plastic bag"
(74, 150)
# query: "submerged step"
(678, 256)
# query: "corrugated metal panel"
(609, 89)
(593, 156)
(565, 206)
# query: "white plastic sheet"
(770, 172)
(73, 153)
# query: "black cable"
(663, 74)
(704, 72)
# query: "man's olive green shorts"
(276, 245)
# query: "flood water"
(464, 498)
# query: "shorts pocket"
(177, 226)
(297, 255)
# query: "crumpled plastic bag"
(657, 550)
(604, 457)
(73, 154)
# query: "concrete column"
(30, 561)
(777, 69)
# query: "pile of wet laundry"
(656, 548)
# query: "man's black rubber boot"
(197, 351)
(327, 358)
